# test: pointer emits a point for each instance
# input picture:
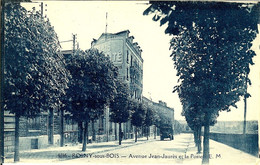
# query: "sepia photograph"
(130, 82)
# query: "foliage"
(165, 121)
(138, 113)
(35, 75)
(211, 53)
(92, 85)
(150, 116)
(208, 82)
(208, 33)
(17, 1)
(157, 118)
(179, 14)
(119, 107)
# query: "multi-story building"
(126, 56)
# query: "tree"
(194, 121)
(92, 86)
(164, 121)
(210, 52)
(119, 107)
(35, 76)
(149, 119)
(138, 115)
(216, 83)
(157, 121)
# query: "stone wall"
(247, 143)
(37, 142)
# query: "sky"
(88, 21)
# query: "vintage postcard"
(130, 82)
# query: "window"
(127, 56)
(34, 123)
(101, 126)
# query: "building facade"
(38, 132)
(126, 56)
(161, 109)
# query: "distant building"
(161, 108)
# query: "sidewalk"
(221, 154)
(56, 154)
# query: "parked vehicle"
(166, 131)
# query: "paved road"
(171, 152)
(155, 152)
(181, 150)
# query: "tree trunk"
(93, 131)
(124, 131)
(135, 134)
(80, 129)
(87, 134)
(16, 139)
(115, 132)
(195, 134)
(85, 137)
(147, 132)
(155, 132)
(199, 139)
(2, 153)
(50, 135)
(61, 127)
(205, 159)
(120, 133)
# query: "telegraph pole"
(106, 27)
(106, 23)
(74, 43)
(42, 9)
(41, 5)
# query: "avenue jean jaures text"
(134, 156)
